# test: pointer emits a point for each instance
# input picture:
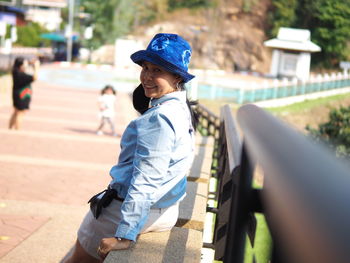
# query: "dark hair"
(17, 64)
(107, 87)
(191, 104)
(141, 103)
(139, 100)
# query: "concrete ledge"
(193, 207)
(184, 242)
(200, 170)
(201, 167)
(176, 246)
(204, 140)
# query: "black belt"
(96, 204)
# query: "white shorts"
(91, 231)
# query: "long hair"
(191, 104)
(17, 64)
(139, 100)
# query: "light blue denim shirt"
(156, 155)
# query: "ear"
(177, 79)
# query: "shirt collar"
(177, 95)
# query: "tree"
(174, 4)
(29, 35)
(282, 14)
(331, 30)
(328, 21)
(115, 18)
(336, 131)
(102, 18)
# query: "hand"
(111, 243)
(36, 63)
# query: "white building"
(45, 12)
(291, 56)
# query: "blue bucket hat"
(169, 51)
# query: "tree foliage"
(283, 14)
(29, 35)
(331, 30)
(336, 131)
(174, 4)
(115, 18)
(328, 21)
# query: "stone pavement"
(50, 168)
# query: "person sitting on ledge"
(157, 150)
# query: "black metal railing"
(227, 160)
(306, 190)
(209, 125)
(305, 195)
(208, 122)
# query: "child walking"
(106, 103)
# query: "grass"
(215, 105)
(262, 244)
(308, 104)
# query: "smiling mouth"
(149, 87)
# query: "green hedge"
(29, 35)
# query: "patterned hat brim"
(145, 55)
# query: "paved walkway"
(50, 168)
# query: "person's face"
(24, 66)
(156, 81)
(109, 91)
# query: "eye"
(157, 70)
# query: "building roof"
(293, 39)
(47, 3)
(13, 9)
(58, 37)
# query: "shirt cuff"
(123, 231)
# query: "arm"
(150, 178)
(36, 66)
(155, 142)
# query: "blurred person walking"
(107, 105)
(22, 90)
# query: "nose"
(147, 75)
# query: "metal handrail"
(234, 145)
(228, 160)
(306, 190)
